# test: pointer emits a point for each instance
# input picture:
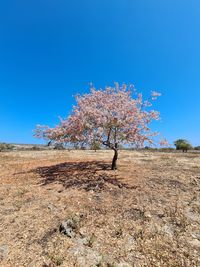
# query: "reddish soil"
(147, 213)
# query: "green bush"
(182, 144)
(5, 147)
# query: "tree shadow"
(91, 175)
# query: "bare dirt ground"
(147, 213)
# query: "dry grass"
(145, 214)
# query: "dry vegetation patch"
(145, 214)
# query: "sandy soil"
(147, 213)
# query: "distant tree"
(182, 144)
(111, 116)
(197, 148)
(95, 146)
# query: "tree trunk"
(114, 161)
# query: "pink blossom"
(110, 116)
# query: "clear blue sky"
(51, 50)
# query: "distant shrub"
(59, 146)
(182, 144)
(197, 148)
(163, 149)
(151, 148)
(95, 146)
(35, 148)
(5, 147)
(167, 149)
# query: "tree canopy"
(182, 144)
(111, 116)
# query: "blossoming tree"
(111, 116)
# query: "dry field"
(147, 213)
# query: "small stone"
(3, 251)
(147, 215)
(85, 256)
(82, 241)
(50, 207)
(195, 243)
(68, 228)
(83, 231)
(161, 215)
(168, 229)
